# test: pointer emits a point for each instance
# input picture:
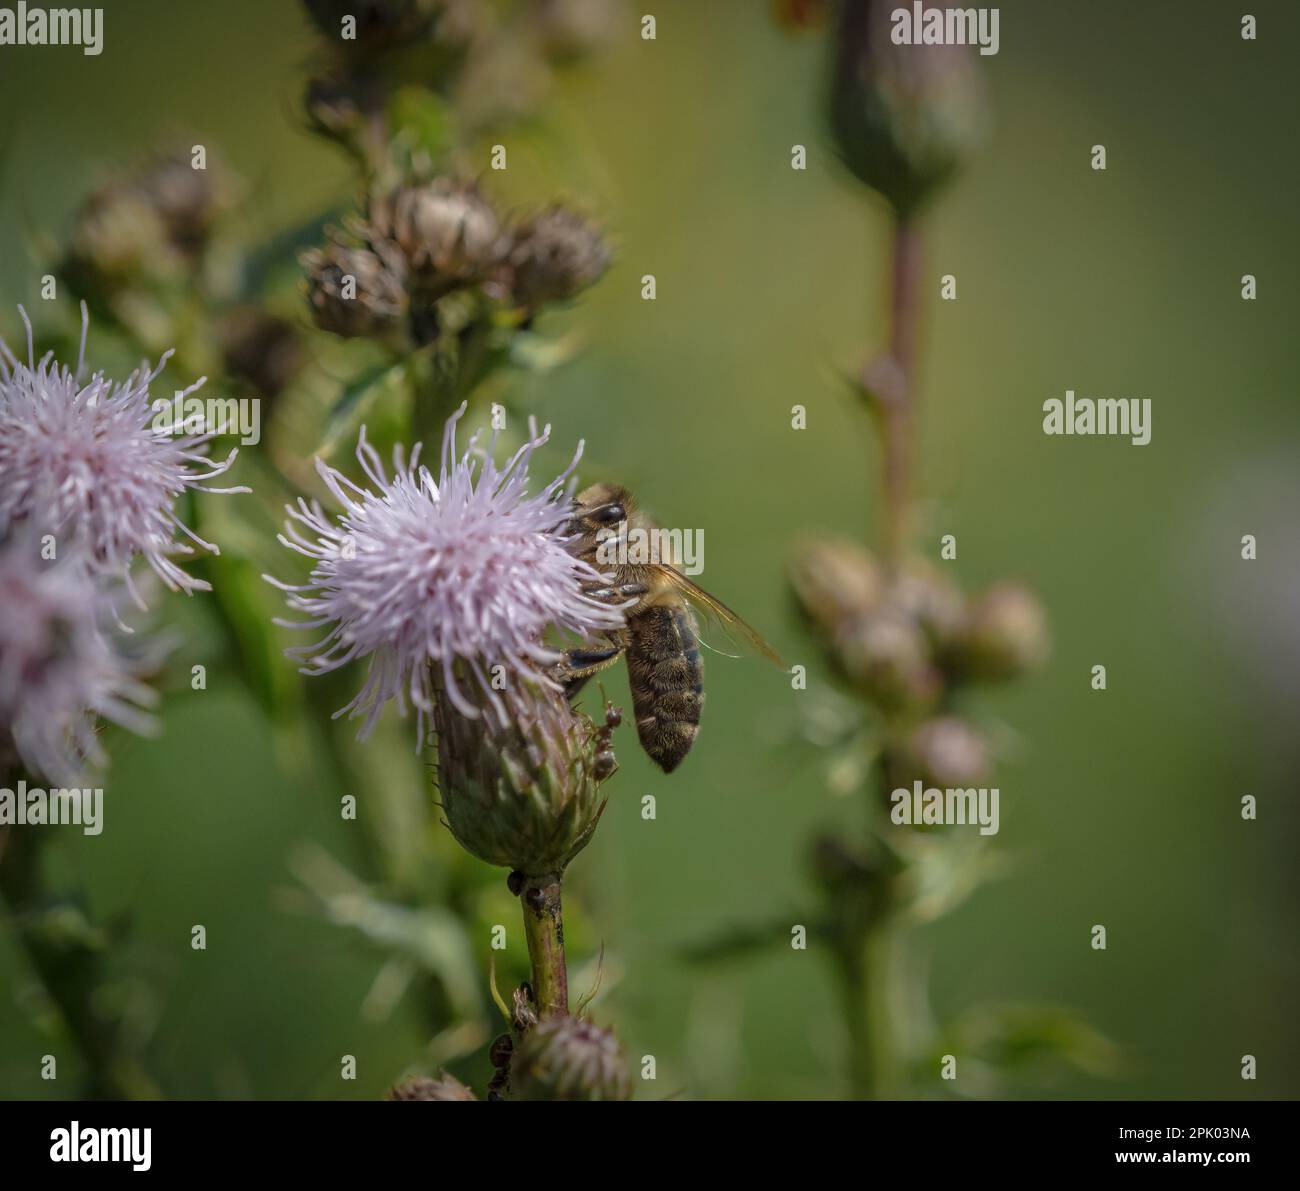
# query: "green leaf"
(422, 127)
(1028, 1038)
(357, 399)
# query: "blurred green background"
(1119, 808)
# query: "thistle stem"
(69, 972)
(865, 983)
(544, 929)
(898, 407)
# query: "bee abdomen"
(667, 677)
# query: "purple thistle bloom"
(95, 461)
(58, 667)
(464, 573)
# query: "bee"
(660, 638)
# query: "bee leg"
(621, 590)
(580, 664)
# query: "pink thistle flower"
(465, 573)
(59, 669)
(93, 462)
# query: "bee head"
(597, 512)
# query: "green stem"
(70, 973)
(899, 410)
(544, 929)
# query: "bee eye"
(610, 514)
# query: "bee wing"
(717, 613)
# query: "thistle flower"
(555, 256)
(567, 1058)
(354, 291)
(58, 668)
(88, 462)
(458, 576)
(447, 231)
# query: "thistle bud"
(904, 117)
(834, 581)
(445, 1087)
(566, 1058)
(1005, 634)
(945, 752)
(379, 23)
(556, 256)
(523, 793)
(885, 655)
(448, 233)
(345, 106)
(188, 200)
(118, 237)
(354, 291)
(260, 349)
(572, 29)
(933, 603)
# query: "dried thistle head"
(354, 291)
(555, 256)
(443, 1087)
(448, 233)
(568, 1058)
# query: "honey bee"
(660, 638)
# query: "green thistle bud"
(445, 1087)
(354, 291)
(524, 794)
(945, 752)
(1004, 635)
(904, 117)
(556, 256)
(566, 1058)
